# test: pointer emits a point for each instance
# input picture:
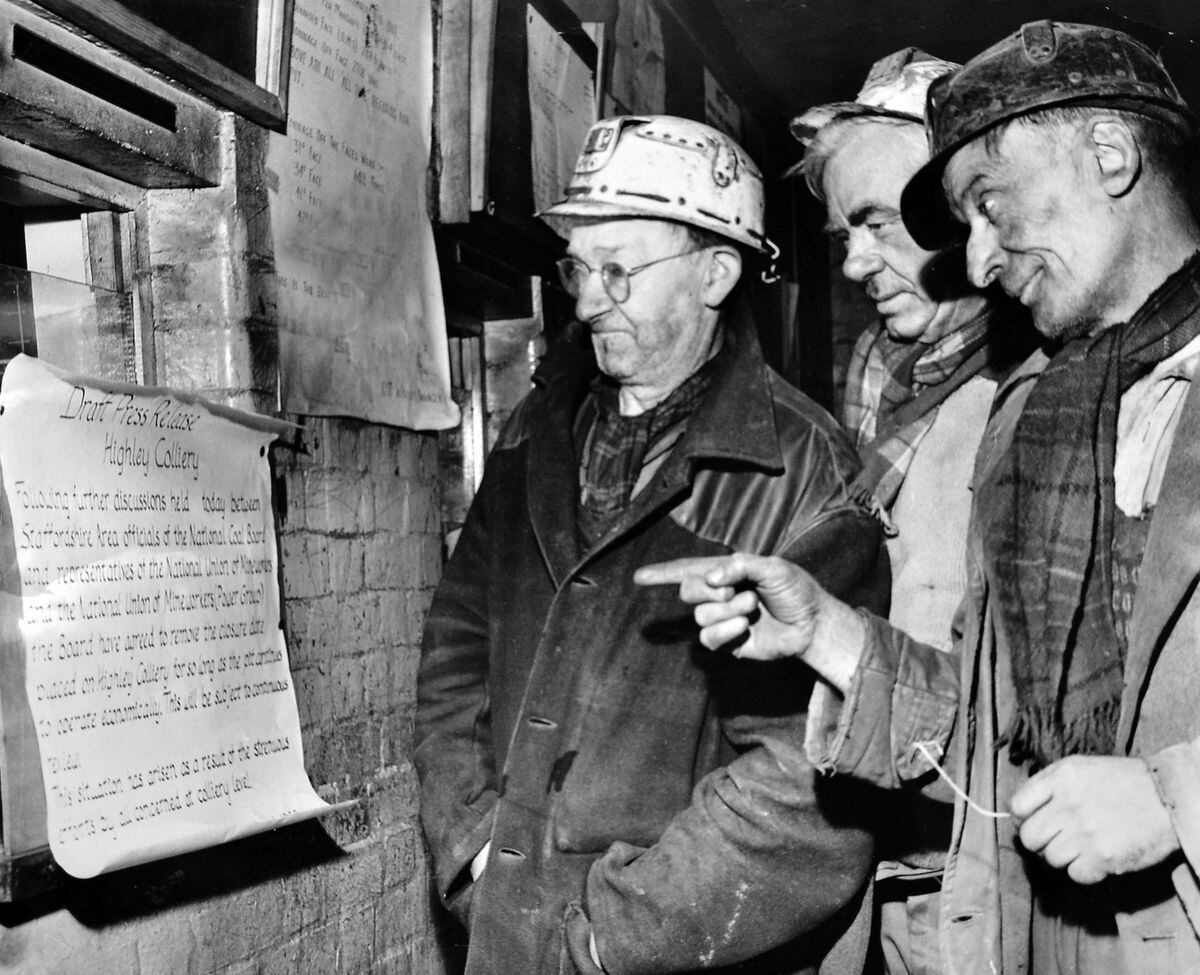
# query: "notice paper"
(156, 670)
(561, 109)
(639, 73)
(362, 323)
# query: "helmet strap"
(770, 275)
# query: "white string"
(923, 748)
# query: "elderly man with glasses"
(597, 792)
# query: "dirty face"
(919, 295)
(1040, 226)
(663, 331)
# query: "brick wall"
(360, 550)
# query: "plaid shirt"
(616, 448)
(893, 391)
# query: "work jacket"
(621, 772)
(910, 694)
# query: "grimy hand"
(758, 607)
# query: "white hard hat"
(665, 168)
(895, 88)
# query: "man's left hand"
(1094, 816)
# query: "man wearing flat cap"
(1071, 717)
(918, 391)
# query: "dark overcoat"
(573, 719)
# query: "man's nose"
(862, 257)
(593, 299)
(985, 259)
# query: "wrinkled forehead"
(875, 155)
(1023, 144)
(969, 163)
(866, 144)
(882, 143)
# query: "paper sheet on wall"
(156, 670)
(639, 75)
(363, 329)
(561, 108)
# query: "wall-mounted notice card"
(156, 670)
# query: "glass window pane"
(75, 326)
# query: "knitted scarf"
(1048, 529)
(893, 391)
(616, 447)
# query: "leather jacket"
(621, 771)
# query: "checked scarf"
(616, 447)
(1049, 528)
(893, 391)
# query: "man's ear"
(724, 271)
(1118, 157)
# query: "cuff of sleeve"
(1176, 774)
(896, 700)
(924, 708)
(843, 734)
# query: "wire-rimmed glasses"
(613, 276)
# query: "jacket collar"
(733, 423)
(1170, 562)
(1030, 368)
(1171, 559)
(736, 419)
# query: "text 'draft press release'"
(156, 670)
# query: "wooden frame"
(67, 94)
(263, 101)
(63, 181)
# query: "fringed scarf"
(1048, 530)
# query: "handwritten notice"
(639, 80)
(156, 670)
(363, 330)
(562, 107)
